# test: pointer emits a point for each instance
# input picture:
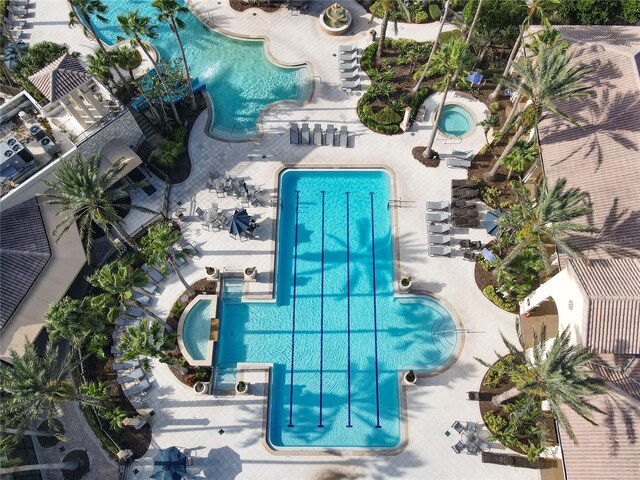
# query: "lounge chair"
(150, 288)
(137, 389)
(294, 134)
(469, 255)
(437, 205)
(463, 155)
(461, 203)
(458, 427)
(199, 212)
(465, 222)
(344, 137)
(463, 184)
(439, 239)
(350, 85)
(128, 365)
(465, 212)
(14, 22)
(348, 56)
(349, 74)
(468, 193)
(480, 396)
(458, 162)
(130, 377)
(348, 65)
(127, 322)
(437, 228)
(458, 447)
(186, 244)
(305, 134)
(330, 135)
(142, 298)
(347, 48)
(317, 134)
(17, 11)
(439, 250)
(134, 312)
(436, 216)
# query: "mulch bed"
(430, 162)
(84, 467)
(484, 278)
(267, 6)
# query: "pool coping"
(267, 52)
(208, 360)
(402, 390)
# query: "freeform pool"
(239, 77)
(336, 334)
(455, 121)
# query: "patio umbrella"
(170, 459)
(475, 78)
(490, 222)
(239, 222)
(164, 474)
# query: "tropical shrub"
(434, 11)
(497, 300)
(490, 195)
(421, 17)
(590, 12)
(171, 149)
(497, 13)
(631, 11)
(38, 56)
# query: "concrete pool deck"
(225, 434)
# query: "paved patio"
(195, 422)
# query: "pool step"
(226, 378)
(232, 292)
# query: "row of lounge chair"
(437, 218)
(460, 159)
(331, 136)
(349, 69)
(463, 196)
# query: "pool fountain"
(336, 19)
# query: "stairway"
(149, 131)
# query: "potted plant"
(250, 273)
(242, 388)
(405, 284)
(410, 378)
(212, 272)
(200, 387)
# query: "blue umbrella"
(475, 78)
(491, 222)
(164, 474)
(239, 222)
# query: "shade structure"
(161, 473)
(490, 222)
(475, 78)
(169, 460)
(239, 222)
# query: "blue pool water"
(196, 329)
(336, 334)
(240, 79)
(455, 121)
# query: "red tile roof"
(60, 77)
(602, 156)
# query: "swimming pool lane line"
(375, 311)
(320, 425)
(293, 314)
(348, 323)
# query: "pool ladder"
(399, 203)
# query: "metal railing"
(99, 125)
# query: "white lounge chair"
(305, 135)
(348, 65)
(463, 154)
(458, 162)
(436, 216)
(130, 377)
(350, 85)
(317, 134)
(439, 250)
(437, 228)
(294, 134)
(348, 57)
(150, 288)
(344, 137)
(439, 239)
(137, 389)
(442, 205)
(129, 365)
(330, 135)
(154, 274)
(142, 298)
(134, 312)
(127, 322)
(347, 48)
(349, 74)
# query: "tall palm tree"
(83, 12)
(545, 80)
(558, 373)
(120, 279)
(540, 8)
(468, 37)
(449, 59)
(68, 465)
(35, 386)
(389, 7)
(127, 58)
(148, 339)
(99, 65)
(433, 48)
(545, 219)
(157, 248)
(87, 196)
(74, 320)
(168, 12)
(136, 26)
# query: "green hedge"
(497, 300)
(368, 117)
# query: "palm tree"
(157, 248)
(127, 58)
(69, 465)
(148, 339)
(389, 7)
(82, 12)
(74, 320)
(168, 12)
(37, 385)
(99, 65)
(534, 7)
(451, 58)
(545, 81)
(136, 26)
(545, 219)
(114, 416)
(87, 196)
(120, 279)
(523, 154)
(433, 48)
(558, 373)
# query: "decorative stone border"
(208, 360)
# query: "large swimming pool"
(240, 79)
(336, 334)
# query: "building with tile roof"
(60, 77)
